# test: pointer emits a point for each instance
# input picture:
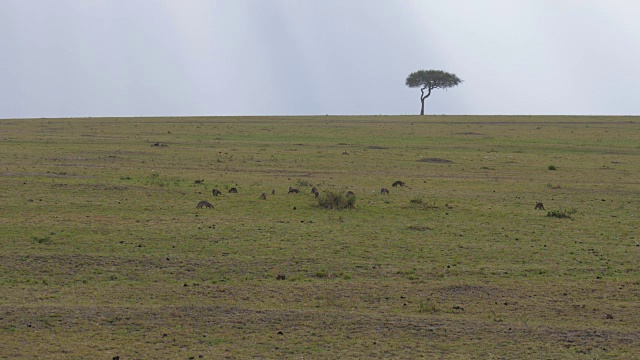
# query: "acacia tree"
(429, 80)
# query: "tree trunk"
(423, 96)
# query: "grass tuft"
(41, 240)
(419, 228)
(561, 214)
(420, 203)
(428, 307)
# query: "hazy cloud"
(284, 57)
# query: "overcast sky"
(74, 58)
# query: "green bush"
(337, 201)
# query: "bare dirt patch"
(435, 161)
(48, 175)
(467, 133)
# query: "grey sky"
(72, 58)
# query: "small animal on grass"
(293, 191)
(263, 196)
(202, 204)
(398, 183)
(216, 192)
(273, 192)
(233, 190)
(539, 206)
(280, 277)
(316, 194)
(350, 193)
(384, 191)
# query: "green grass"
(104, 253)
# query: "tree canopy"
(429, 80)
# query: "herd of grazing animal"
(263, 196)
(316, 193)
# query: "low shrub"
(336, 201)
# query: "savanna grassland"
(103, 252)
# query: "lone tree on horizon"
(429, 80)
